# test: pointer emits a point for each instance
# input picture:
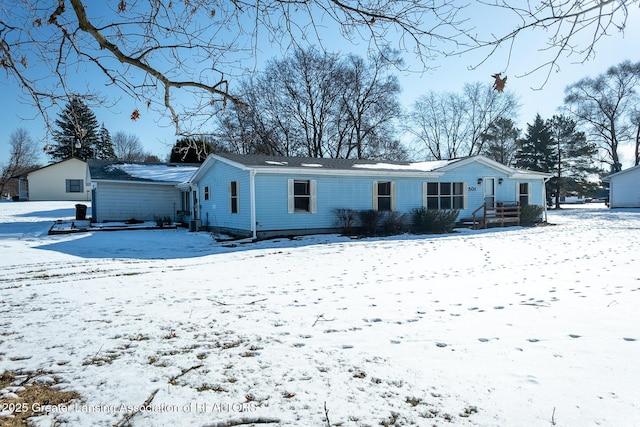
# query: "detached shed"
(624, 188)
(144, 191)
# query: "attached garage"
(142, 191)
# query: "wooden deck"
(502, 214)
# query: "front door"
(490, 192)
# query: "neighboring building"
(624, 188)
(261, 196)
(64, 180)
(122, 191)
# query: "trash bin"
(81, 212)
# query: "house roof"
(614, 175)
(106, 170)
(281, 164)
(263, 161)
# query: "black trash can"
(81, 212)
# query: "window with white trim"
(302, 196)
(523, 193)
(74, 186)
(233, 197)
(445, 195)
(207, 192)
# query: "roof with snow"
(140, 172)
(263, 161)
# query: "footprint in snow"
(574, 336)
(533, 340)
(629, 339)
(441, 344)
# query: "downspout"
(544, 196)
(252, 191)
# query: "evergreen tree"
(573, 156)
(104, 146)
(500, 141)
(194, 150)
(78, 133)
(535, 151)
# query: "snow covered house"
(64, 180)
(144, 191)
(624, 188)
(261, 196)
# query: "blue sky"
(448, 74)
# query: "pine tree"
(573, 156)
(500, 141)
(78, 133)
(104, 146)
(535, 151)
(194, 150)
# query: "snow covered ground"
(503, 327)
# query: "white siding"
(624, 190)
(50, 183)
(123, 201)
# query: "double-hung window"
(384, 196)
(445, 195)
(207, 192)
(302, 196)
(234, 207)
(523, 193)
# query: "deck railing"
(500, 214)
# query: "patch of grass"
(413, 401)
(33, 396)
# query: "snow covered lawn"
(503, 327)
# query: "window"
(523, 193)
(233, 196)
(185, 205)
(302, 196)
(75, 186)
(445, 195)
(384, 196)
(206, 192)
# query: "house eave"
(128, 182)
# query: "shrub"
(370, 221)
(530, 214)
(393, 222)
(426, 220)
(162, 221)
(346, 220)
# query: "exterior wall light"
(479, 181)
(500, 180)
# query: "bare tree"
(128, 147)
(451, 125)
(23, 156)
(317, 104)
(180, 58)
(604, 104)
